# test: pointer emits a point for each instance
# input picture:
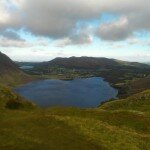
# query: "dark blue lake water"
(84, 93)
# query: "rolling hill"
(89, 63)
(128, 77)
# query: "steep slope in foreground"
(10, 74)
(117, 125)
(11, 100)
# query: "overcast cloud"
(57, 19)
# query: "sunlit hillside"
(122, 124)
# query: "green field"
(116, 125)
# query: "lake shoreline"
(76, 84)
(37, 78)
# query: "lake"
(83, 93)
(26, 67)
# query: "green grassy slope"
(137, 102)
(117, 125)
(15, 79)
(10, 100)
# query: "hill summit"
(89, 63)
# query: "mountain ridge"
(89, 63)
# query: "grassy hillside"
(10, 74)
(117, 125)
(10, 100)
(137, 102)
(133, 86)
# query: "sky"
(40, 30)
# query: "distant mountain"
(89, 63)
(10, 74)
(21, 64)
(148, 63)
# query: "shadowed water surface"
(84, 93)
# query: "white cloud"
(57, 19)
(12, 42)
(4, 14)
(10, 35)
(83, 36)
(114, 31)
(4, 42)
(77, 40)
